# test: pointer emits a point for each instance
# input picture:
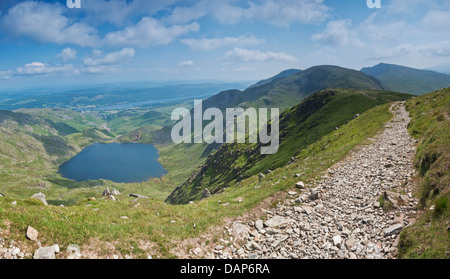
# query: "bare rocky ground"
(341, 216)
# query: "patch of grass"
(441, 206)
(430, 125)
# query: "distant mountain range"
(324, 97)
(408, 80)
(291, 86)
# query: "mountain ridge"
(300, 126)
(408, 80)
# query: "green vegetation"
(408, 80)
(127, 121)
(300, 126)
(314, 134)
(291, 88)
(430, 125)
(97, 225)
(33, 143)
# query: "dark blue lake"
(118, 162)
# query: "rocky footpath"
(357, 211)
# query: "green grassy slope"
(408, 80)
(96, 225)
(32, 147)
(430, 125)
(300, 126)
(128, 121)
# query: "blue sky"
(46, 43)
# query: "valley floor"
(357, 211)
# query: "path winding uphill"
(341, 216)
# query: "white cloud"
(67, 54)
(286, 12)
(244, 69)
(98, 59)
(119, 12)
(49, 23)
(39, 68)
(183, 15)
(280, 13)
(211, 44)
(338, 33)
(45, 22)
(148, 32)
(437, 21)
(6, 74)
(441, 48)
(186, 63)
(246, 55)
(102, 69)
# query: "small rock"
(314, 194)
(115, 192)
(300, 185)
(45, 253)
(277, 221)
(259, 225)
(56, 248)
(337, 241)
(197, 251)
(394, 229)
(106, 192)
(205, 194)
(74, 252)
(219, 247)
(138, 196)
(252, 245)
(32, 233)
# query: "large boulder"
(109, 192)
(394, 229)
(41, 197)
(278, 221)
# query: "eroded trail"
(341, 216)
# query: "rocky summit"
(356, 211)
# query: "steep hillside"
(408, 80)
(430, 125)
(33, 144)
(283, 74)
(282, 92)
(300, 126)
